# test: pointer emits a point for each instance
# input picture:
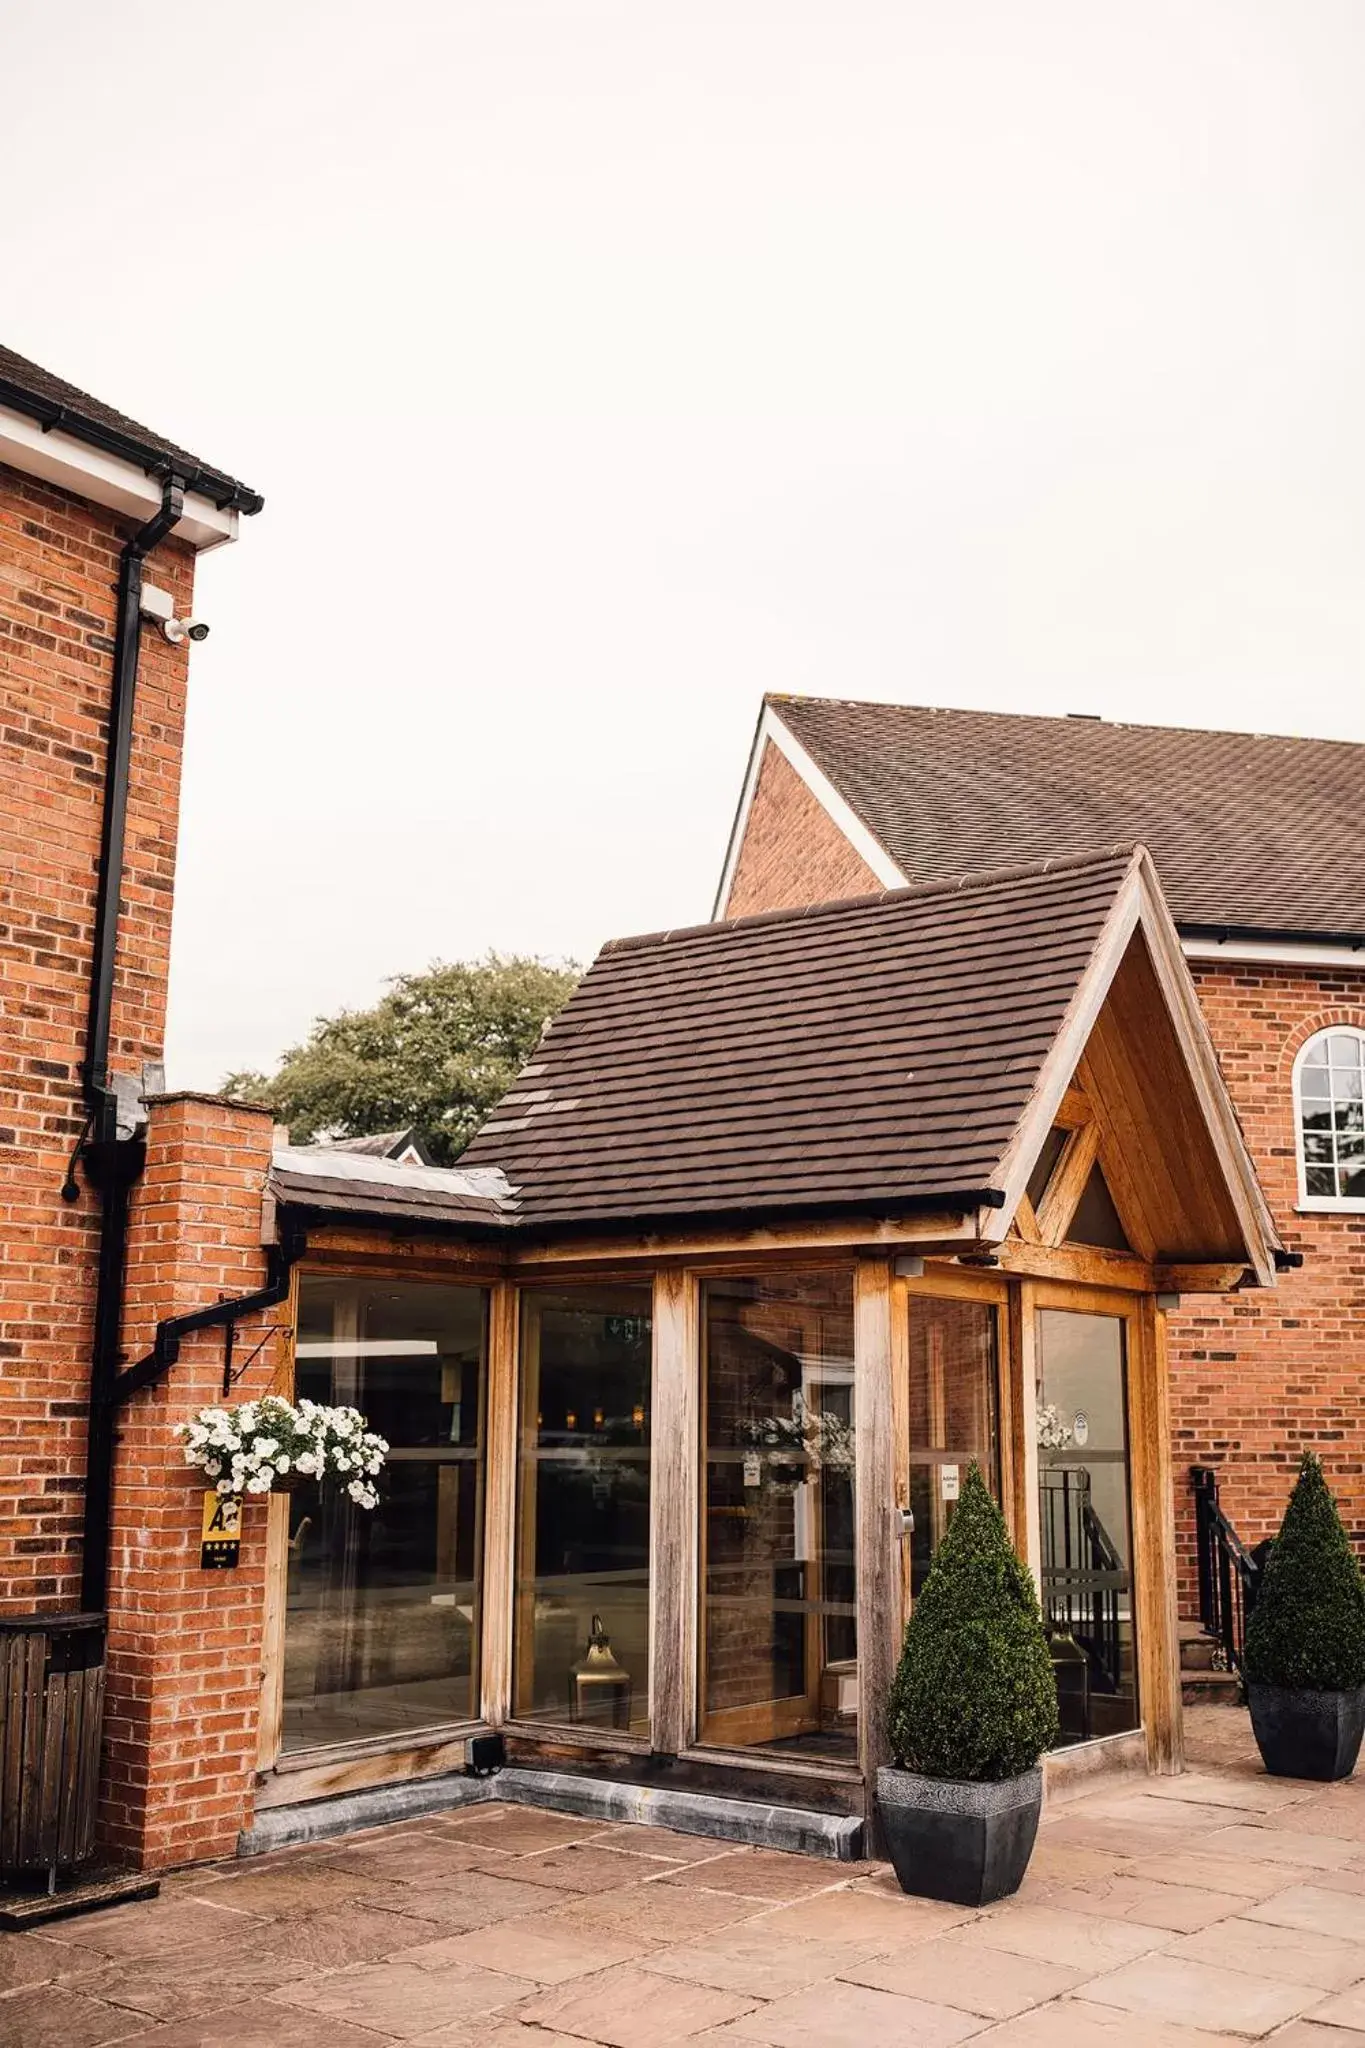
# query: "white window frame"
(1349, 1205)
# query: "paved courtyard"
(1220, 1905)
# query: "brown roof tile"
(1250, 832)
(875, 1054)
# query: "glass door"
(779, 1611)
(1085, 1520)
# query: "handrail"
(1229, 1575)
(1083, 1574)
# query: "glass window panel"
(780, 1644)
(1346, 1087)
(1344, 1049)
(382, 1613)
(1083, 1484)
(1319, 1119)
(1317, 1147)
(1320, 1180)
(1314, 1083)
(1353, 1184)
(952, 1414)
(1096, 1220)
(1046, 1163)
(581, 1653)
(1316, 1055)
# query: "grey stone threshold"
(748, 1821)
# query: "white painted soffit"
(1278, 952)
(58, 458)
(839, 810)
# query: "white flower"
(282, 1466)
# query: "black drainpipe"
(112, 1164)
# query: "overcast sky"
(604, 365)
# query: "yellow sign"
(220, 1534)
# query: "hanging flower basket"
(272, 1446)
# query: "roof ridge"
(779, 698)
(954, 885)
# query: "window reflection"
(382, 1616)
(581, 1653)
(1086, 1524)
(780, 1647)
(952, 1414)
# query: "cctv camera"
(177, 630)
(196, 629)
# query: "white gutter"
(58, 458)
(1278, 952)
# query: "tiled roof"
(870, 1055)
(1249, 832)
(316, 1177)
(28, 388)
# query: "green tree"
(1308, 1627)
(974, 1696)
(437, 1051)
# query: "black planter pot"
(1307, 1734)
(963, 1842)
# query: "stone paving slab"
(1220, 1907)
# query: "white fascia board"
(840, 812)
(1277, 952)
(58, 458)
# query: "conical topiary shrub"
(974, 1697)
(1308, 1626)
(1305, 1642)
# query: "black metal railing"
(1084, 1580)
(1229, 1574)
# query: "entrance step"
(794, 1828)
(1202, 1684)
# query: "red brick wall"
(792, 851)
(1257, 1381)
(58, 567)
(185, 1645)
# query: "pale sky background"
(604, 365)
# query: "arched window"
(1329, 1116)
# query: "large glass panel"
(952, 1414)
(780, 1648)
(382, 1617)
(1087, 1542)
(582, 1592)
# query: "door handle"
(907, 1523)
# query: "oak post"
(673, 1530)
(878, 1534)
(270, 1726)
(500, 1505)
(1156, 1616)
(1028, 1527)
